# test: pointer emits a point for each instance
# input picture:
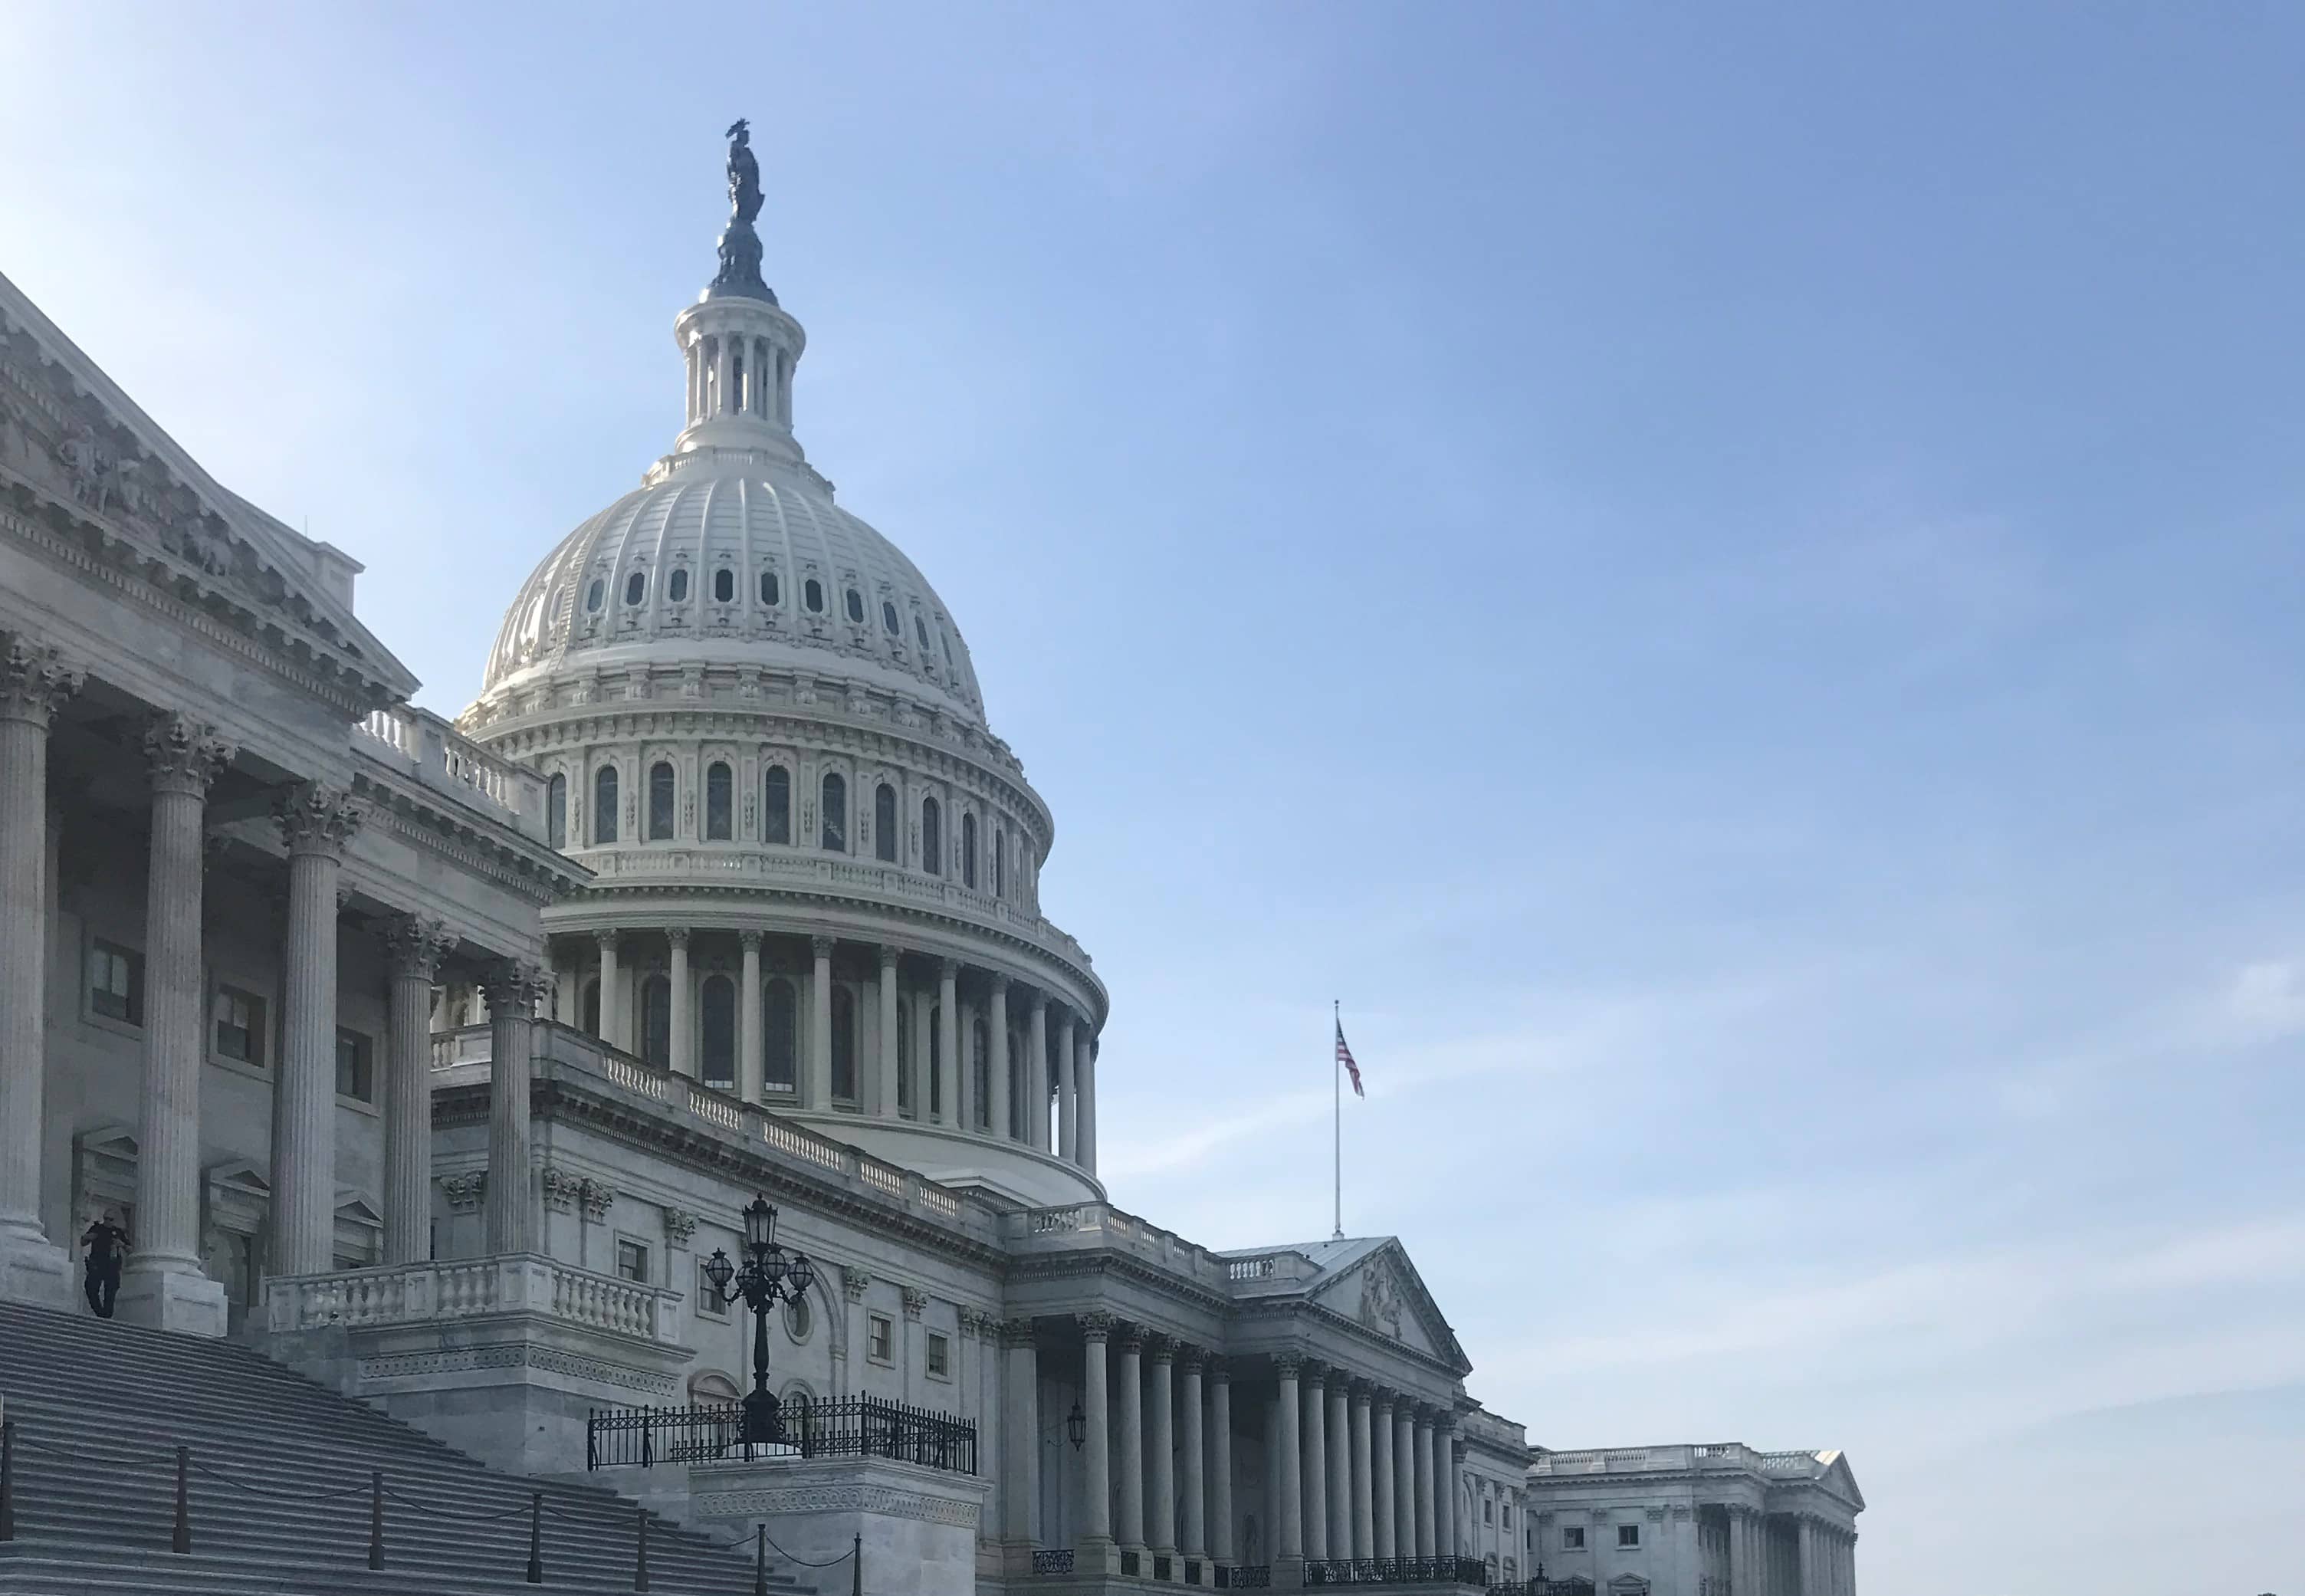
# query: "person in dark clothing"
(107, 1245)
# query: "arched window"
(555, 811)
(888, 619)
(776, 805)
(968, 852)
(718, 1010)
(980, 1069)
(945, 637)
(811, 593)
(844, 1045)
(589, 1011)
(856, 607)
(604, 805)
(724, 585)
(595, 595)
(932, 836)
(1000, 862)
(719, 802)
(662, 786)
(834, 817)
(921, 629)
(903, 1056)
(884, 823)
(780, 1035)
(636, 586)
(655, 1021)
(771, 590)
(679, 588)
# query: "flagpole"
(1337, 1091)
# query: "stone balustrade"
(470, 1288)
(443, 758)
(1718, 1456)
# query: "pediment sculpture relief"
(1380, 1293)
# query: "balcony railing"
(1396, 1571)
(1244, 1576)
(834, 1427)
(442, 757)
(470, 1288)
(1058, 1561)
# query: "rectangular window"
(238, 1030)
(1488, 1513)
(940, 1356)
(1572, 1539)
(115, 982)
(355, 1067)
(882, 1340)
(633, 1262)
(1504, 1517)
(708, 1300)
(1629, 1534)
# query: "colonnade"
(164, 1283)
(1359, 1471)
(734, 374)
(925, 1069)
(1798, 1554)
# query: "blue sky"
(1726, 577)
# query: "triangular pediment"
(1840, 1479)
(1382, 1290)
(78, 456)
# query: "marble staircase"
(280, 1495)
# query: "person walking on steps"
(107, 1245)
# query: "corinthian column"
(1381, 1496)
(1316, 1467)
(34, 681)
(1161, 1533)
(1084, 1065)
(1289, 1512)
(997, 1024)
(163, 1286)
(1363, 1496)
(1036, 1071)
(612, 981)
(820, 1030)
(412, 948)
(1219, 1444)
(315, 822)
(1425, 1481)
(512, 989)
(1095, 1550)
(1068, 1091)
(958, 1099)
(1194, 1538)
(1340, 1467)
(681, 1055)
(748, 1021)
(1403, 1478)
(889, 1094)
(1132, 1440)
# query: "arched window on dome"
(555, 811)
(595, 595)
(932, 836)
(921, 630)
(776, 805)
(834, 838)
(636, 586)
(844, 1045)
(980, 1069)
(884, 823)
(719, 801)
(655, 1021)
(968, 852)
(724, 586)
(888, 622)
(604, 805)
(678, 591)
(717, 1054)
(945, 637)
(855, 601)
(780, 1035)
(661, 793)
(772, 593)
(811, 593)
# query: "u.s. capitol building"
(438, 1058)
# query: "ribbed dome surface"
(717, 563)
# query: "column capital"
(513, 985)
(750, 941)
(1219, 1372)
(890, 954)
(414, 944)
(916, 1303)
(315, 820)
(854, 1282)
(1195, 1360)
(1458, 1448)
(1422, 1413)
(948, 969)
(1015, 1333)
(1287, 1364)
(1130, 1336)
(1361, 1391)
(185, 755)
(35, 680)
(606, 939)
(822, 947)
(1163, 1349)
(1036, 1001)
(1313, 1374)
(996, 983)
(677, 935)
(1096, 1328)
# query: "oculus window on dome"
(679, 591)
(636, 586)
(771, 590)
(889, 622)
(811, 593)
(855, 606)
(724, 586)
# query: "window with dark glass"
(780, 1035)
(661, 790)
(604, 805)
(844, 1045)
(719, 802)
(115, 982)
(945, 637)
(1572, 1538)
(238, 1025)
(921, 628)
(632, 1261)
(592, 1006)
(1000, 862)
(555, 811)
(888, 619)
(835, 797)
(855, 606)
(884, 823)
(717, 1011)
(932, 836)
(771, 590)
(724, 585)
(980, 1069)
(679, 588)
(595, 595)
(936, 1061)
(811, 593)
(939, 1358)
(355, 1067)
(968, 852)
(655, 1021)
(1629, 1534)
(776, 805)
(636, 585)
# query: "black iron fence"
(835, 1427)
(1396, 1571)
(1244, 1576)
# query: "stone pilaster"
(316, 822)
(413, 949)
(34, 681)
(1161, 1532)
(513, 989)
(164, 1286)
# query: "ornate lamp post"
(768, 1275)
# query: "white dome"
(715, 562)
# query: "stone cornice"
(410, 811)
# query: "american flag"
(1345, 1058)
